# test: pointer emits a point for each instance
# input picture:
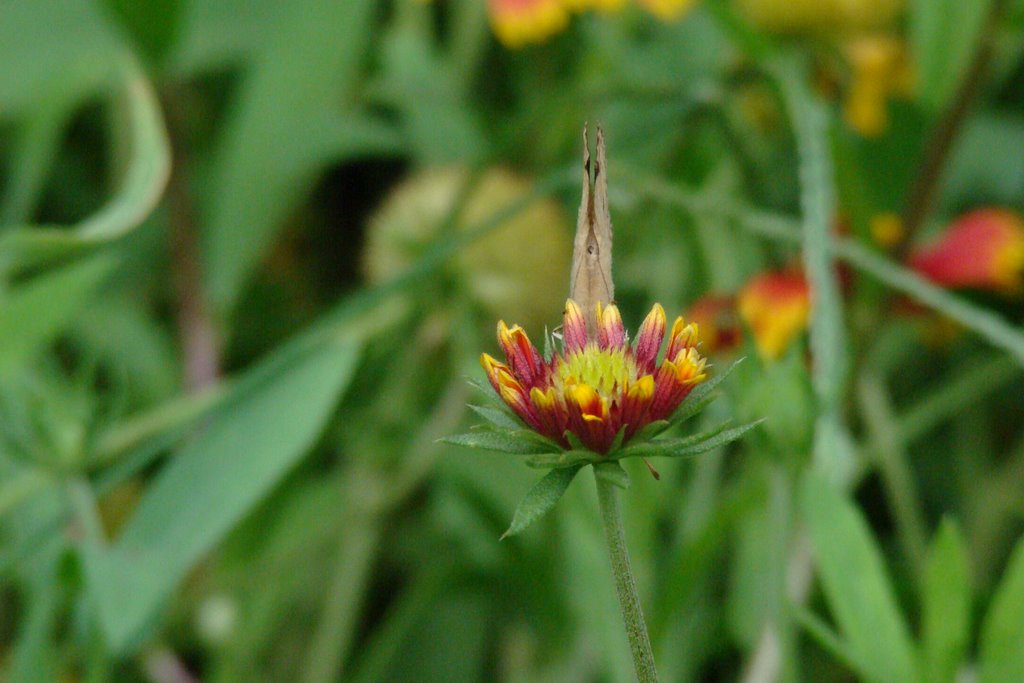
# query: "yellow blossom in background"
(820, 16)
(776, 307)
(495, 271)
(880, 70)
(667, 10)
(886, 229)
(520, 22)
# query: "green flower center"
(607, 372)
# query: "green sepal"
(574, 441)
(501, 441)
(701, 397)
(690, 445)
(487, 389)
(562, 459)
(497, 417)
(652, 430)
(541, 498)
(617, 441)
(612, 473)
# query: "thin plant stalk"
(625, 583)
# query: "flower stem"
(625, 584)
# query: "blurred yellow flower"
(520, 22)
(886, 229)
(880, 70)
(776, 307)
(496, 271)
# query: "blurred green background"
(251, 250)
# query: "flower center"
(606, 371)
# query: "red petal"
(611, 333)
(574, 328)
(523, 358)
(649, 339)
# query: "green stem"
(625, 584)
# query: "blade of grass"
(142, 186)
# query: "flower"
(983, 249)
(492, 271)
(776, 307)
(519, 22)
(715, 316)
(595, 388)
(880, 70)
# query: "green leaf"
(541, 498)
(946, 605)
(141, 187)
(33, 314)
(153, 25)
(943, 39)
(305, 79)
(700, 397)
(212, 482)
(562, 459)
(690, 445)
(856, 585)
(497, 417)
(1000, 657)
(499, 441)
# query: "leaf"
(946, 605)
(541, 498)
(943, 38)
(33, 314)
(153, 25)
(691, 445)
(142, 185)
(569, 458)
(499, 441)
(856, 585)
(304, 79)
(211, 483)
(497, 417)
(700, 397)
(1000, 658)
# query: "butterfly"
(591, 278)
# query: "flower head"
(982, 249)
(776, 306)
(518, 22)
(597, 385)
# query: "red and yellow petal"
(523, 357)
(776, 306)
(648, 340)
(516, 396)
(574, 328)
(681, 337)
(588, 416)
(982, 249)
(550, 413)
(611, 333)
(492, 366)
(635, 403)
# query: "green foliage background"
(219, 453)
